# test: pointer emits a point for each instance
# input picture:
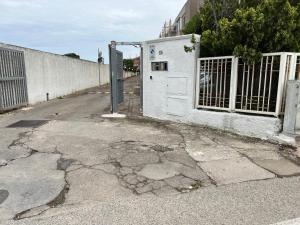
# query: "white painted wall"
(170, 94)
(58, 75)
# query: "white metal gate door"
(13, 87)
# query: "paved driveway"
(79, 168)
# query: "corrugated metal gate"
(13, 87)
(120, 77)
(116, 76)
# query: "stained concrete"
(259, 153)
(31, 182)
(3, 196)
(289, 222)
(138, 159)
(10, 146)
(160, 171)
(93, 184)
(234, 171)
(206, 153)
(281, 167)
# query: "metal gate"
(13, 87)
(116, 73)
(120, 78)
(116, 77)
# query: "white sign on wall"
(152, 52)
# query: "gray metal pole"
(114, 78)
(99, 62)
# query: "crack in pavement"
(19, 143)
(129, 165)
(22, 143)
(140, 166)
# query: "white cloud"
(21, 3)
(82, 25)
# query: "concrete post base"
(114, 115)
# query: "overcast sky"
(83, 26)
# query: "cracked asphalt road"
(82, 169)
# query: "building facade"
(175, 28)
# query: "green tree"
(194, 26)
(247, 29)
(72, 55)
(127, 64)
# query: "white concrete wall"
(172, 88)
(58, 75)
(170, 94)
(128, 74)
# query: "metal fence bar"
(224, 91)
(204, 83)
(265, 83)
(211, 82)
(270, 84)
(208, 78)
(289, 74)
(281, 80)
(252, 85)
(247, 88)
(243, 85)
(256, 112)
(259, 87)
(220, 93)
(217, 83)
(233, 83)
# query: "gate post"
(141, 76)
(233, 83)
(292, 108)
(113, 76)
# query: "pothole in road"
(144, 168)
(63, 164)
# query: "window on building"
(159, 66)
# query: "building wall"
(190, 9)
(58, 75)
(159, 96)
(170, 95)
